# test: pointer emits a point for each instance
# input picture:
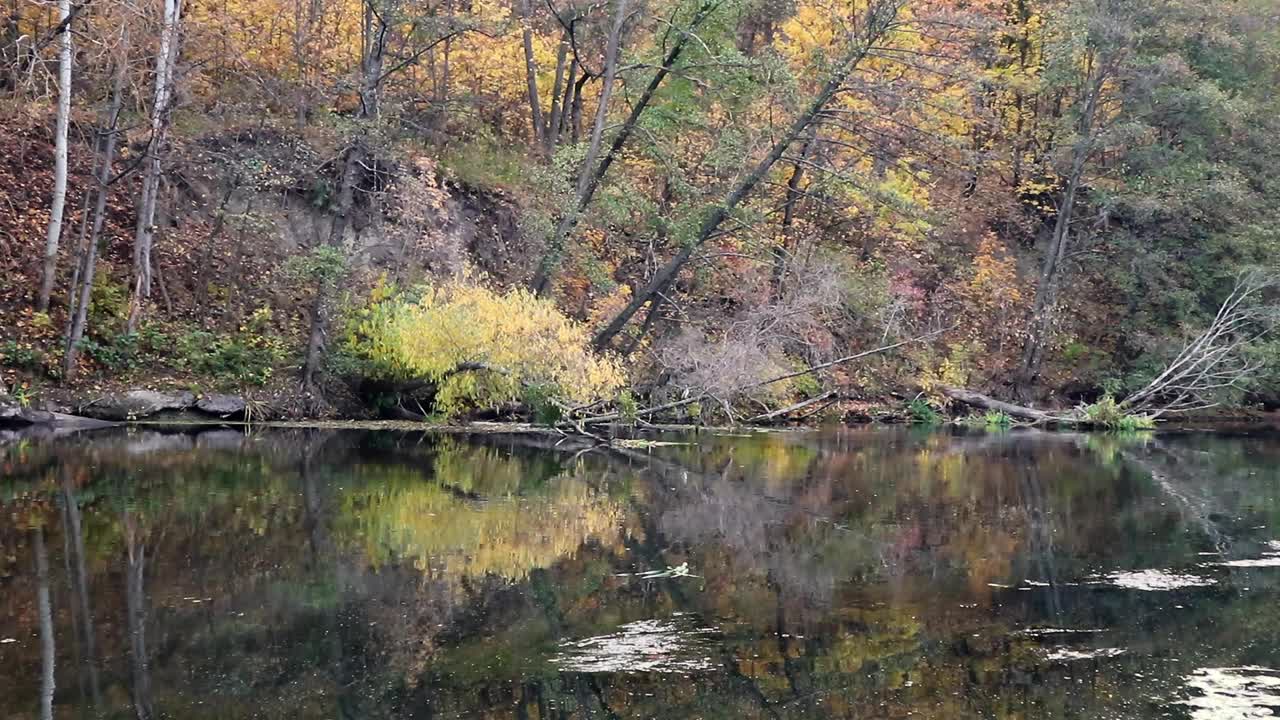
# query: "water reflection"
(838, 575)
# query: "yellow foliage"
(434, 526)
(479, 346)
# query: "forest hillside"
(592, 210)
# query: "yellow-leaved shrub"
(479, 347)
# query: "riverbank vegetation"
(700, 210)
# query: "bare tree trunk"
(82, 294)
(44, 608)
(1042, 314)
(575, 115)
(783, 251)
(371, 64)
(551, 133)
(531, 74)
(144, 233)
(591, 174)
(59, 160)
(880, 18)
(564, 119)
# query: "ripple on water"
(1064, 654)
(643, 646)
(1233, 693)
(1155, 580)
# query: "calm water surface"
(851, 574)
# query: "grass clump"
(1109, 414)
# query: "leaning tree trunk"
(878, 24)
(591, 174)
(144, 233)
(81, 294)
(1042, 314)
(50, 267)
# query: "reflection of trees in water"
(136, 616)
(849, 578)
(45, 610)
(78, 579)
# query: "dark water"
(859, 574)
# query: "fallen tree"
(1020, 412)
(1210, 364)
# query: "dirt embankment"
(239, 207)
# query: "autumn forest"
(584, 211)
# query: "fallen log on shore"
(984, 402)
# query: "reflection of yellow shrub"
(479, 346)
(435, 526)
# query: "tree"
(381, 18)
(50, 266)
(161, 110)
(591, 174)
(1107, 36)
(87, 262)
(877, 21)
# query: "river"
(863, 573)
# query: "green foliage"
(996, 419)
(247, 356)
(921, 412)
(806, 386)
(108, 300)
(119, 354)
(541, 401)
(21, 355)
(627, 406)
(487, 162)
(1107, 413)
(322, 265)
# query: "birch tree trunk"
(144, 233)
(59, 160)
(44, 608)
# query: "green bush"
(922, 413)
(996, 419)
(108, 300)
(1107, 413)
(119, 354)
(248, 356)
(21, 355)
